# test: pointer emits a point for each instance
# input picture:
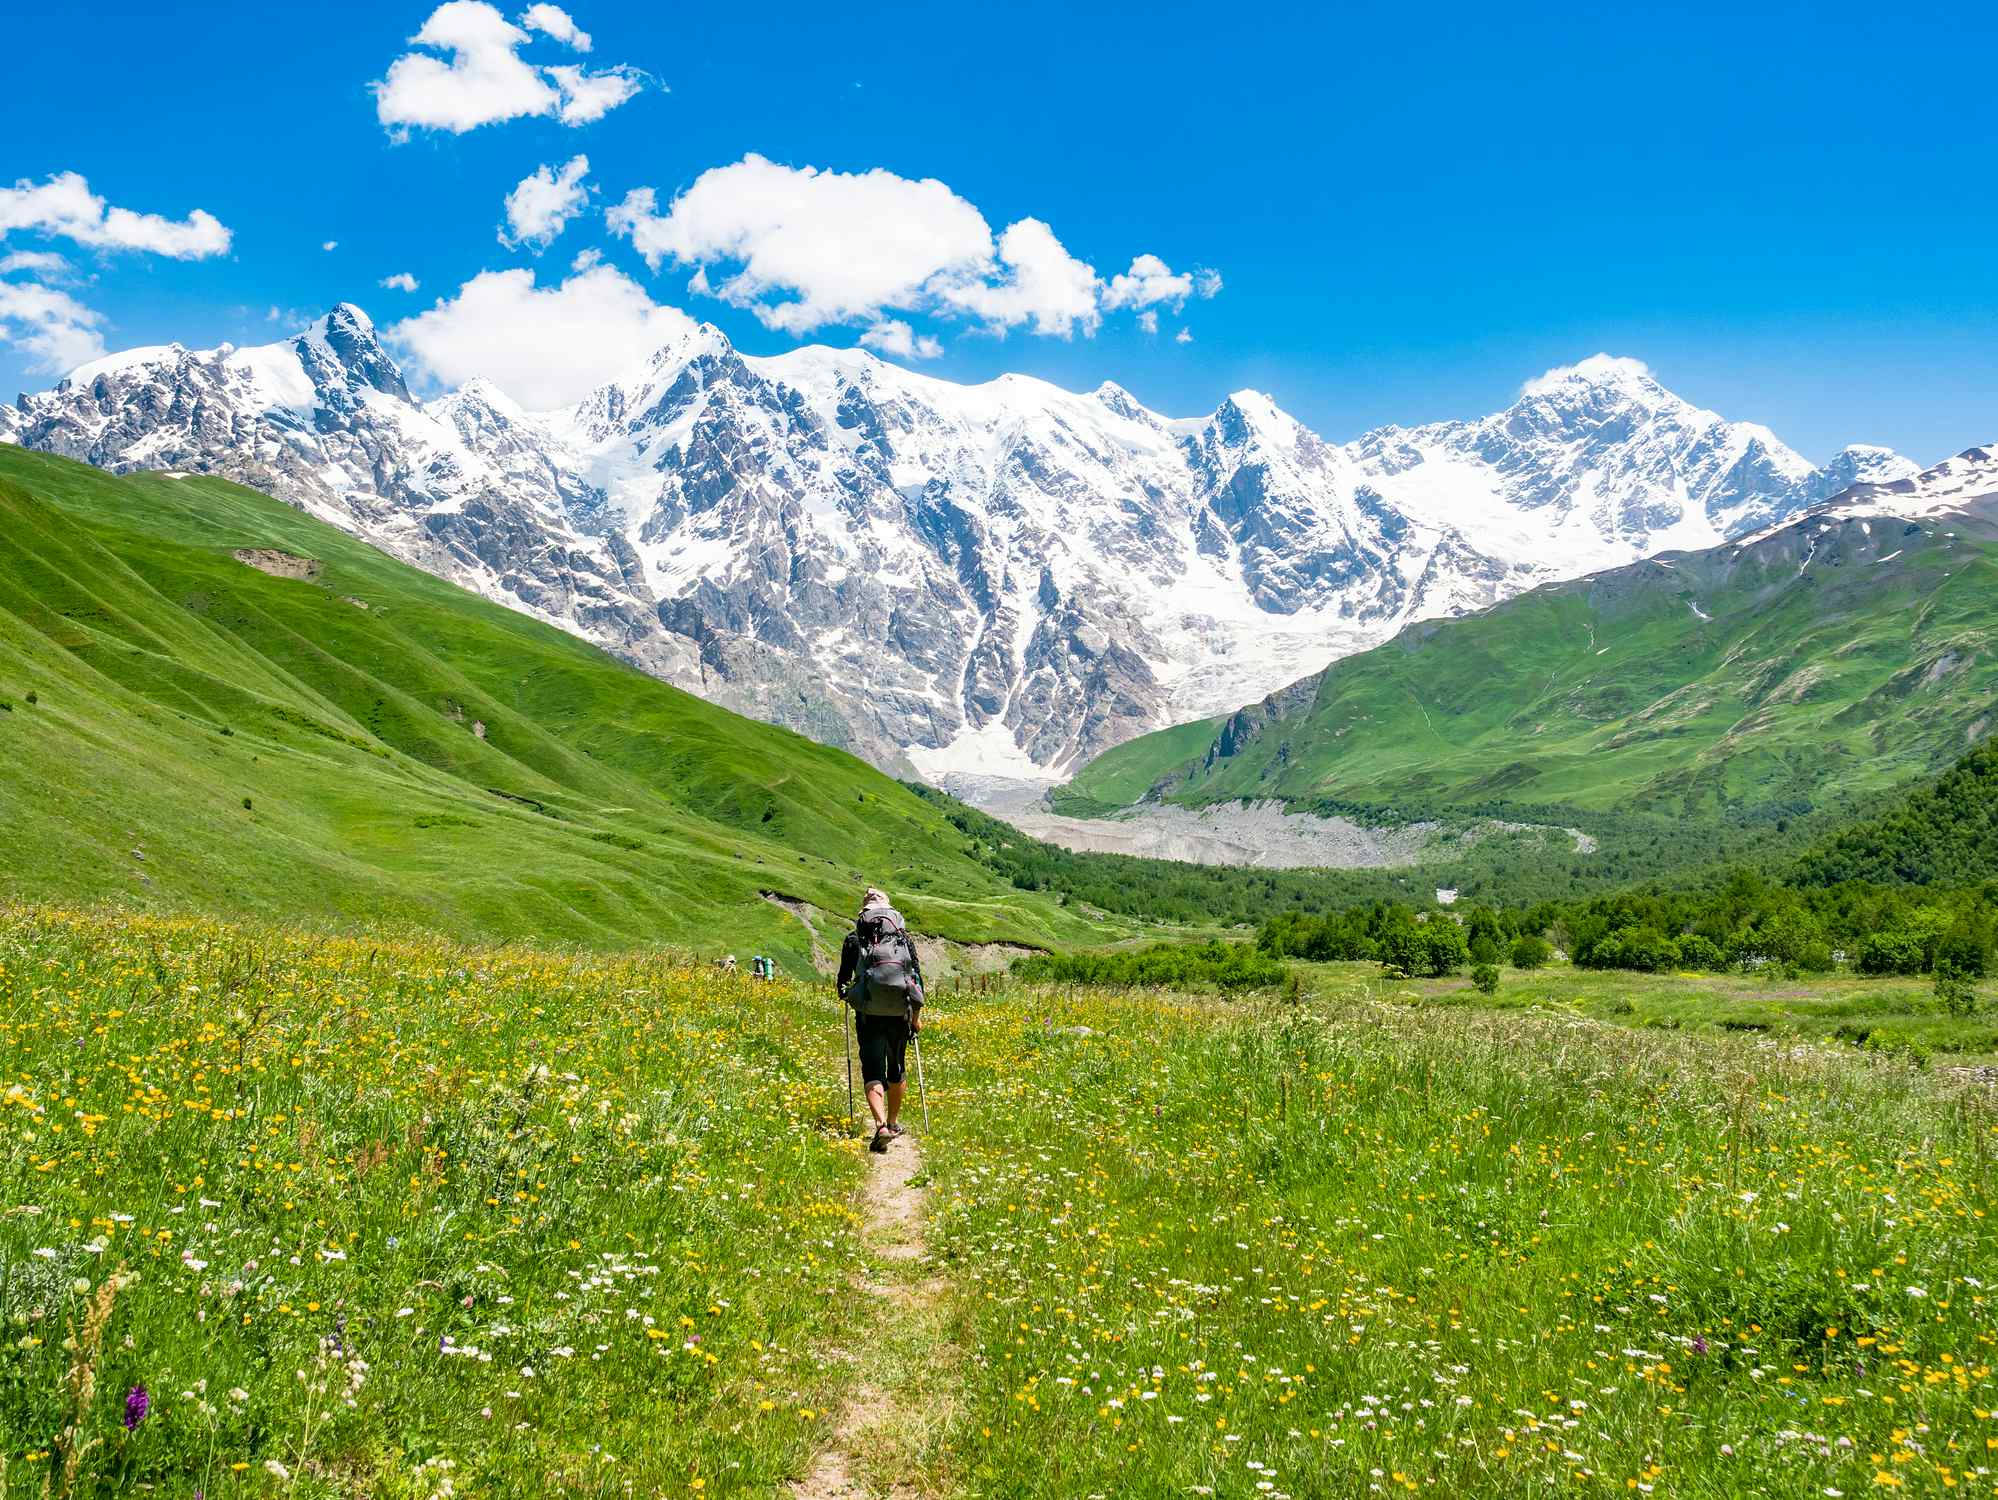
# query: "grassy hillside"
(370, 745)
(1744, 684)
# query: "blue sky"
(1784, 210)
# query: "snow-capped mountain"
(1006, 577)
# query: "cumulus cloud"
(58, 332)
(1038, 283)
(1151, 282)
(556, 22)
(64, 206)
(1149, 321)
(402, 281)
(483, 79)
(1184, 336)
(812, 247)
(330, 245)
(892, 336)
(543, 203)
(804, 248)
(544, 346)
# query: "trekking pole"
(922, 1089)
(846, 1047)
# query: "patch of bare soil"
(279, 564)
(887, 1421)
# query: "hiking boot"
(881, 1139)
(894, 1130)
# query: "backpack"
(885, 979)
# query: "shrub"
(246, 805)
(1484, 949)
(1956, 990)
(1443, 947)
(1698, 952)
(1901, 951)
(1965, 949)
(1485, 977)
(1227, 966)
(1531, 951)
(1642, 948)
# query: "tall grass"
(1349, 1247)
(406, 1220)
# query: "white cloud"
(1149, 320)
(330, 245)
(58, 332)
(1597, 367)
(44, 263)
(586, 258)
(839, 246)
(555, 21)
(402, 281)
(812, 248)
(543, 203)
(1042, 284)
(591, 96)
(892, 336)
(1184, 336)
(1151, 283)
(544, 346)
(485, 80)
(804, 248)
(65, 206)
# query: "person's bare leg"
(874, 1103)
(894, 1102)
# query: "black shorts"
(883, 1042)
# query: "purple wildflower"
(1699, 1344)
(137, 1404)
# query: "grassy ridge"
(374, 746)
(1808, 670)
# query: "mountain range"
(1815, 661)
(1005, 578)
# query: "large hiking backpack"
(885, 979)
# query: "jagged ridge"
(1006, 577)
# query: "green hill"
(363, 744)
(1745, 686)
(1943, 832)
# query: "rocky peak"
(347, 335)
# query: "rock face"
(1006, 578)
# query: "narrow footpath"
(898, 1399)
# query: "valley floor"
(295, 1215)
(1897, 1016)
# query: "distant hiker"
(726, 965)
(882, 979)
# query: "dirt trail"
(898, 1402)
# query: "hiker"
(882, 979)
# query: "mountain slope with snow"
(1831, 655)
(1004, 578)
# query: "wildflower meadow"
(306, 1216)
(286, 1215)
(1349, 1246)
